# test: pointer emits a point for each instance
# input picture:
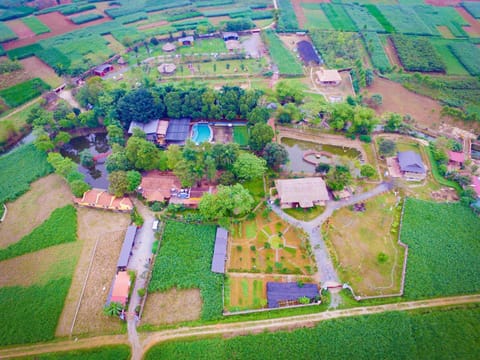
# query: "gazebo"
(169, 47)
(167, 68)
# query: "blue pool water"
(201, 133)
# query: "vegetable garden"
(468, 54)
(287, 21)
(417, 54)
(21, 93)
(287, 63)
(6, 34)
(376, 51)
(36, 25)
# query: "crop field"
(338, 17)
(245, 293)
(60, 228)
(338, 49)
(473, 8)
(113, 352)
(405, 20)
(84, 18)
(315, 17)
(184, 261)
(393, 335)
(21, 93)
(287, 20)
(435, 16)
(19, 169)
(376, 51)
(36, 25)
(24, 51)
(417, 54)
(364, 246)
(442, 261)
(468, 54)
(6, 33)
(267, 244)
(362, 18)
(286, 62)
(453, 65)
(380, 18)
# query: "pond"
(96, 176)
(297, 148)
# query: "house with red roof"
(101, 199)
(121, 288)
(455, 159)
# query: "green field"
(117, 352)
(405, 20)
(376, 51)
(240, 135)
(184, 262)
(19, 168)
(6, 34)
(468, 54)
(23, 92)
(435, 16)
(24, 51)
(429, 334)
(84, 18)
(316, 18)
(287, 20)
(417, 54)
(337, 16)
(286, 62)
(443, 249)
(59, 228)
(363, 19)
(36, 25)
(453, 66)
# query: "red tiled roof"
(156, 185)
(458, 157)
(101, 199)
(121, 288)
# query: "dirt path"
(150, 339)
(68, 97)
(20, 108)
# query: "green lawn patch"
(305, 214)
(59, 228)
(114, 352)
(250, 229)
(36, 25)
(19, 168)
(316, 18)
(6, 34)
(184, 261)
(240, 135)
(30, 314)
(21, 93)
(453, 65)
(286, 62)
(473, 8)
(394, 335)
(337, 16)
(436, 175)
(443, 249)
(256, 188)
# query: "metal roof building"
(220, 251)
(308, 53)
(410, 161)
(178, 130)
(289, 291)
(126, 248)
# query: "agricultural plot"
(417, 54)
(267, 244)
(21, 93)
(338, 49)
(442, 261)
(362, 18)
(432, 333)
(468, 54)
(24, 51)
(113, 352)
(364, 246)
(315, 17)
(435, 16)
(6, 34)
(380, 17)
(287, 21)
(82, 19)
(338, 17)
(453, 65)
(376, 51)
(286, 62)
(405, 20)
(66, 9)
(473, 8)
(36, 25)
(184, 261)
(245, 293)
(19, 169)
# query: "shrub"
(382, 258)
(365, 138)
(304, 300)
(141, 292)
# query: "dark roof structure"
(230, 36)
(104, 67)
(178, 130)
(127, 247)
(308, 53)
(220, 251)
(410, 161)
(147, 128)
(289, 291)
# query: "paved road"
(140, 262)
(232, 328)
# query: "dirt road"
(150, 339)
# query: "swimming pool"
(201, 133)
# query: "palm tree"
(113, 309)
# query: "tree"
(90, 92)
(118, 183)
(62, 165)
(210, 168)
(86, 158)
(322, 168)
(174, 155)
(368, 171)
(260, 135)
(363, 121)
(113, 309)
(79, 187)
(341, 114)
(286, 93)
(258, 115)
(288, 113)
(42, 141)
(393, 123)
(249, 167)
(141, 153)
(115, 135)
(139, 105)
(386, 147)
(338, 178)
(225, 155)
(275, 154)
(62, 138)
(228, 201)
(134, 179)
(117, 160)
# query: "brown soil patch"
(37, 68)
(22, 30)
(392, 54)
(396, 98)
(41, 266)
(14, 77)
(153, 25)
(57, 23)
(445, 31)
(109, 228)
(297, 7)
(33, 208)
(474, 27)
(172, 306)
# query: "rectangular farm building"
(177, 131)
(281, 294)
(120, 289)
(126, 248)
(220, 251)
(304, 193)
(308, 53)
(411, 165)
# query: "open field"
(417, 334)
(109, 229)
(32, 67)
(169, 307)
(21, 29)
(268, 244)
(113, 352)
(357, 240)
(285, 61)
(443, 249)
(21, 93)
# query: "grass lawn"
(305, 214)
(240, 135)
(443, 249)
(256, 188)
(423, 334)
(357, 240)
(205, 46)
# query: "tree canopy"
(228, 201)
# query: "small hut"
(167, 69)
(186, 41)
(169, 47)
